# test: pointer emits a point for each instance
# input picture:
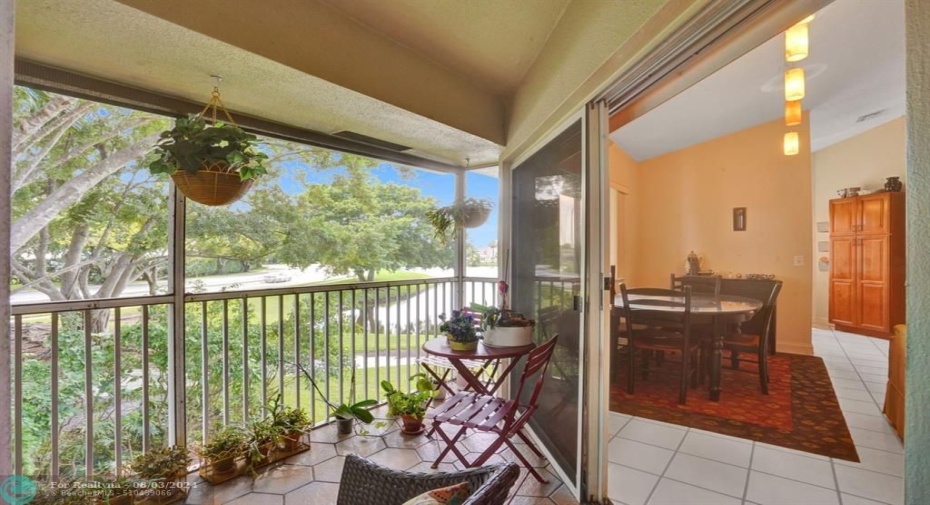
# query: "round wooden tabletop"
(440, 347)
(703, 304)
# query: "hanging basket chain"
(214, 103)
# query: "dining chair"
(758, 342)
(489, 414)
(703, 285)
(659, 320)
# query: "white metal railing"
(91, 377)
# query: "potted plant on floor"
(264, 437)
(448, 221)
(460, 329)
(347, 413)
(290, 421)
(165, 469)
(211, 162)
(411, 407)
(223, 450)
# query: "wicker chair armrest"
(364, 482)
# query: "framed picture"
(739, 218)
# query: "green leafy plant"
(409, 404)
(193, 143)
(350, 410)
(493, 317)
(229, 442)
(163, 463)
(448, 221)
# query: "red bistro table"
(485, 356)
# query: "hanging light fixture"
(796, 43)
(792, 144)
(793, 113)
(794, 84)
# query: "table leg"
(716, 352)
(473, 382)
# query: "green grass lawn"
(380, 276)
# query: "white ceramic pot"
(509, 337)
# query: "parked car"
(276, 277)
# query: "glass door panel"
(548, 254)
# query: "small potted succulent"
(224, 447)
(460, 330)
(165, 468)
(213, 164)
(448, 221)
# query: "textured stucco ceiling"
(493, 43)
(113, 41)
(855, 67)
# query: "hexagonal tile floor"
(312, 478)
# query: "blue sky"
(437, 185)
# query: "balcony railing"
(91, 377)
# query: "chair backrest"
(537, 362)
(705, 285)
(768, 309)
(548, 320)
(657, 307)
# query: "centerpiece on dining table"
(461, 330)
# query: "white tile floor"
(655, 463)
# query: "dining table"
(720, 311)
(484, 358)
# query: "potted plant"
(447, 221)
(165, 468)
(291, 422)
(506, 328)
(345, 413)
(411, 407)
(224, 447)
(460, 330)
(211, 164)
(264, 437)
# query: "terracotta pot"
(413, 425)
(212, 185)
(291, 441)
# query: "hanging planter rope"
(210, 161)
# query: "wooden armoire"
(867, 263)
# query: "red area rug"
(800, 412)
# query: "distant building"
(488, 254)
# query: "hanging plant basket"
(449, 221)
(212, 185)
(474, 217)
(210, 161)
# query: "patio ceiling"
(434, 76)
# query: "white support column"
(177, 393)
(7, 27)
(458, 299)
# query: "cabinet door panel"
(873, 308)
(843, 280)
(873, 259)
(873, 270)
(843, 216)
(874, 214)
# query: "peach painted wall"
(623, 177)
(864, 161)
(685, 201)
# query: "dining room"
(728, 382)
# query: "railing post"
(7, 27)
(458, 297)
(177, 398)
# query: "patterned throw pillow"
(452, 495)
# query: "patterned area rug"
(800, 412)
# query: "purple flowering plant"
(460, 327)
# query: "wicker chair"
(364, 483)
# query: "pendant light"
(796, 43)
(794, 84)
(793, 113)
(791, 144)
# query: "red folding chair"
(490, 414)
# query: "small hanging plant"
(447, 221)
(212, 162)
